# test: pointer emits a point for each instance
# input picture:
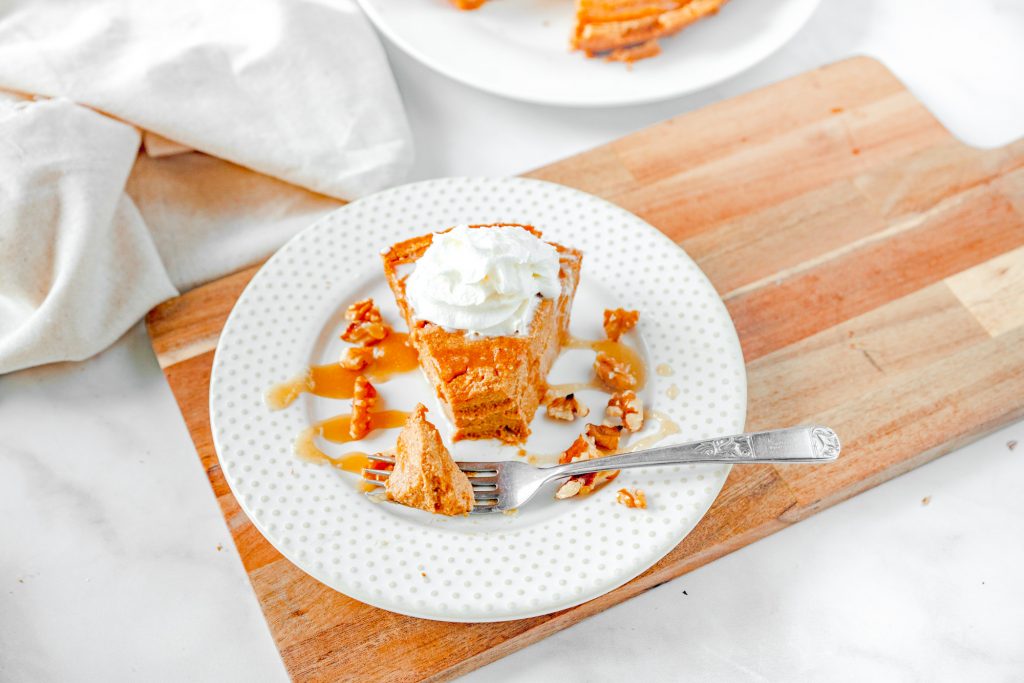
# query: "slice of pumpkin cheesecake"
(487, 308)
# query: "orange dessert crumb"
(619, 321)
(632, 498)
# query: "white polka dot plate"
(549, 555)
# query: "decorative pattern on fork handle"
(825, 443)
(730, 447)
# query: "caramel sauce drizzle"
(666, 427)
(617, 350)
(573, 387)
(395, 356)
(392, 356)
(538, 459)
(335, 430)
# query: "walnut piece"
(567, 408)
(364, 397)
(584, 484)
(365, 333)
(619, 321)
(632, 498)
(615, 374)
(367, 327)
(570, 488)
(625, 409)
(363, 312)
(356, 357)
(583, 448)
(605, 437)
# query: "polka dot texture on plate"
(460, 571)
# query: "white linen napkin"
(290, 105)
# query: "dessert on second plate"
(425, 476)
(487, 308)
(627, 30)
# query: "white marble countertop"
(116, 563)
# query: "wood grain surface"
(874, 267)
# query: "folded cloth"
(289, 104)
(77, 265)
(296, 89)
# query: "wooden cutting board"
(874, 267)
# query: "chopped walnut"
(365, 333)
(356, 357)
(584, 484)
(619, 321)
(567, 408)
(363, 312)
(632, 498)
(367, 327)
(613, 373)
(364, 397)
(605, 437)
(626, 409)
(570, 488)
(583, 448)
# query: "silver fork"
(508, 484)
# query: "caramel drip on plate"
(335, 429)
(617, 350)
(353, 462)
(664, 370)
(392, 356)
(573, 387)
(538, 459)
(283, 394)
(666, 427)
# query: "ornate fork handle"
(793, 445)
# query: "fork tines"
(483, 479)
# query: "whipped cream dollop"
(486, 281)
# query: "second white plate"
(520, 48)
